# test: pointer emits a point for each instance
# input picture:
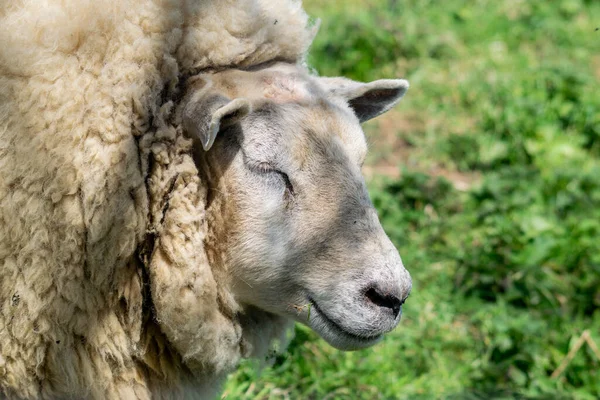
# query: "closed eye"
(267, 168)
(288, 184)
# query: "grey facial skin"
(283, 152)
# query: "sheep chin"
(336, 335)
(312, 315)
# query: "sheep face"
(289, 215)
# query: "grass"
(491, 192)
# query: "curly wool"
(101, 205)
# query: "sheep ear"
(204, 116)
(368, 100)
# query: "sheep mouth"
(339, 330)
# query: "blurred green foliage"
(506, 271)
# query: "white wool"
(99, 194)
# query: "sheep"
(175, 191)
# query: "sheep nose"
(384, 299)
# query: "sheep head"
(289, 218)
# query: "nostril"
(384, 300)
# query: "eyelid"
(261, 166)
(256, 165)
(266, 167)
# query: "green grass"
(506, 270)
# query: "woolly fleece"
(106, 291)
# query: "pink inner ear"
(285, 89)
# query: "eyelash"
(264, 168)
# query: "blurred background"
(487, 179)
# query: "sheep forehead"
(318, 133)
(278, 84)
(301, 110)
(333, 124)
